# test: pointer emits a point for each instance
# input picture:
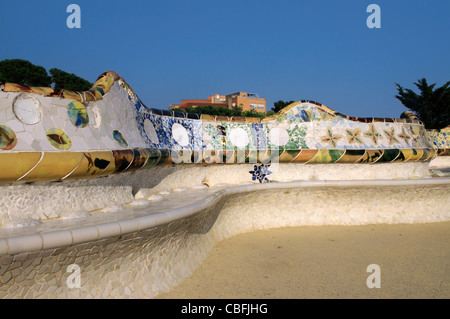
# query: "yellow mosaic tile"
(238, 119)
(304, 156)
(105, 82)
(54, 166)
(288, 156)
(326, 156)
(371, 156)
(252, 120)
(207, 117)
(16, 165)
(220, 118)
(407, 153)
(351, 156)
(93, 164)
(59, 139)
(417, 155)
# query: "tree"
(210, 109)
(431, 106)
(69, 81)
(279, 105)
(253, 113)
(23, 72)
(223, 111)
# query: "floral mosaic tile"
(260, 173)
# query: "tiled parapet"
(57, 135)
(440, 139)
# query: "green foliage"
(253, 113)
(237, 111)
(279, 105)
(69, 81)
(431, 106)
(23, 72)
(223, 111)
(26, 73)
(215, 110)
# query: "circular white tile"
(239, 137)
(278, 136)
(180, 135)
(27, 109)
(149, 129)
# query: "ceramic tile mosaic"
(440, 139)
(110, 118)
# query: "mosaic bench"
(137, 196)
(56, 135)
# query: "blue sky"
(282, 50)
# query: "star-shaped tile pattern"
(404, 136)
(354, 135)
(331, 138)
(260, 173)
(373, 134)
(390, 134)
(414, 135)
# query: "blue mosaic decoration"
(120, 139)
(77, 114)
(260, 173)
(259, 136)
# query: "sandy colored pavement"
(326, 262)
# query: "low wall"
(58, 135)
(142, 256)
(31, 204)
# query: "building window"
(253, 106)
(260, 106)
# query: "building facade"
(247, 101)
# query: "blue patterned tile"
(259, 136)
